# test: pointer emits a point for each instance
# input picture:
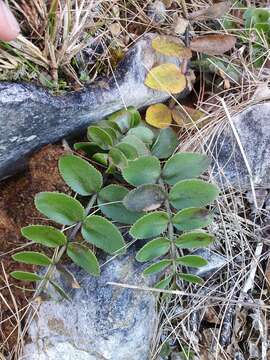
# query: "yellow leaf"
(195, 119)
(166, 77)
(159, 116)
(170, 46)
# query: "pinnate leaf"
(59, 207)
(117, 158)
(89, 148)
(142, 133)
(194, 261)
(32, 257)
(102, 233)
(192, 193)
(125, 118)
(110, 200)
(144, 198)
(150, 225)
(194, 279)
(128, 150)
(60, 290)
(138, 144)
(144, 170)
(100, 136)
(164, 283)
(166, 77)
(84, 257)
(100, 158)
(45, 235)
(196, 239)
(165, 144)
(153, 249)
(186, 165)
(25, 276)
(192, 218)
(156, 267)
(82, 177)
(159, 116)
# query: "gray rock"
(102, 321)
(31, 117)
(215, 262)
(253, 128)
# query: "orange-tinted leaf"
(213, 44)
(191, 119)
(159, 116)
(166, 77)
(171, 46)
(214, 11)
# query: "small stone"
(115, 28)
(215, 262)
(180, 25)
(157, 12)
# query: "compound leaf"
(196, 239)
(153, 249)
(32, 257)
(192, 193)
(144, 170)
(25, 276)
(82, 177)
(164, 283)
(165, 144)
(59, 207)
(194, 261)
(110, 200)
(184, 166)
(150, 225)
(192, 218)
(144, 198)
(84, 257)
(45, 235)
(100, 136)
(103, 234)
(194, 279)
(156, 267)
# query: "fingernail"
(9, 27)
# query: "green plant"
(161, 202)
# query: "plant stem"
(170, 232)
(57, 256)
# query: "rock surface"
(101, 323)
(31, 117)
(253, 128)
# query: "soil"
(17, 210)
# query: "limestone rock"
(30, 117)
(101, 322)
(253, 128)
